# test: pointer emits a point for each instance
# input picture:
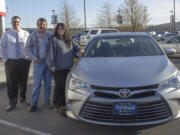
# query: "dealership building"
(2, 15)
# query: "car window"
(76, 35)
(122, 47)
(84, 33)
(79, 34)
(94, 32)
(108, 31)
(114, 31)
(174, 40)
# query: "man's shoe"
(62, 111)
(56, 109)
(47, 106)
(10, 107)
(32, 108)
(25, 103)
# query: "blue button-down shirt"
(13, 43)
(31, 45)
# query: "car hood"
(124, 71)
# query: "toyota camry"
(123, 79)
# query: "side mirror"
(170, 51)
(88, 36)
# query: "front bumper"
(160, 108)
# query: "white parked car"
(88, 34)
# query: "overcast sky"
(31, 10)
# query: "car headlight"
(77, 84)
(173, 82)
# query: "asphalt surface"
(47, 122)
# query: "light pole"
(54, 18)
(53, 11)
(85, 13)
(119, 18)
(174, 17)
(171, 21)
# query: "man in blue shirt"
(16, 62)
(36, 48)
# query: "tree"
(105, 16)
(68, 16)
(135, 15)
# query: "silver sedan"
(123, 79)
(174, 43)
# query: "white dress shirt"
(13, 43)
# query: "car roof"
(123, 34)
(99, 29)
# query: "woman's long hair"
(66, 35)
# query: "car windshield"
(122, 47)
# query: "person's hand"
(81, 51)
(52, 69)
(37, 61)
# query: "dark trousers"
(59, 91)
(16, 76)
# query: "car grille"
(118, 88)
(145, 112)
(111, 95)
(112, 92)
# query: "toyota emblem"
(125, 93)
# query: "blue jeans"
(41, 72)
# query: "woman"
(60, 59)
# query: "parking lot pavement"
(47, 122)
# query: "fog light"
(68, 105)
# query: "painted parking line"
(30, 130)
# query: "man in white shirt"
(16, 63)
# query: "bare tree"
(105, 16)
(68, 16)
(135, 15)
